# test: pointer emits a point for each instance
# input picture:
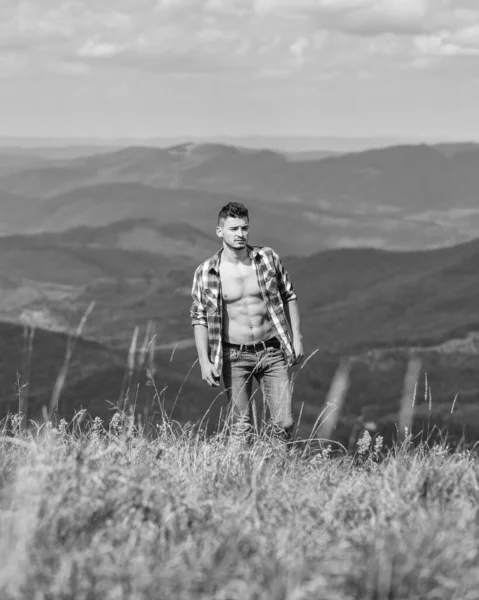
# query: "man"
(246, 323)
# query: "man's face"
(234, 232)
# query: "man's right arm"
(208, 370)
(200, 327)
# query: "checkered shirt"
(274, 284)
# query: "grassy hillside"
(174, 515)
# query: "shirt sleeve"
(285, 286)
(197, 310)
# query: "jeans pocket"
(276, 354)
(274, 351)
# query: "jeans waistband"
(269, 343)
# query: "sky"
(156, 68)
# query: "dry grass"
(118, 513)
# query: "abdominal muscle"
(245, 314)
(246, 322)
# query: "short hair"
(235, 210)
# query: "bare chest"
(239, 282)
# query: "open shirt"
(274, 284)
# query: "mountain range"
(398, 179)
(403, 197)
(83, 145)
(380, 245)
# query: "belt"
(271, 343)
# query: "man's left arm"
(290, 303)
(292, 314)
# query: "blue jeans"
(269, 367)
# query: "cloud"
(279, 37)
(297, 50)
(446, 43)
(95, 49)
(363, 17)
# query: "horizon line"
(239, 136)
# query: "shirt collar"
(215, 259)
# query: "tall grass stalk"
(407, 402)
(333, 403)
(61, 378)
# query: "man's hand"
(209, 374)
(298, 350)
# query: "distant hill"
(15, 161)
(408, 179)
(452, 148)
(161, 167)
(281, 143)
(307, 155)
(308, 229)
(246, 174)
(366, 298)
(142, 235)
(54, 151)
(395, 198)
(130, 270)
(102, 205)
(83, 254)
(16, 209)
(204, 152)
